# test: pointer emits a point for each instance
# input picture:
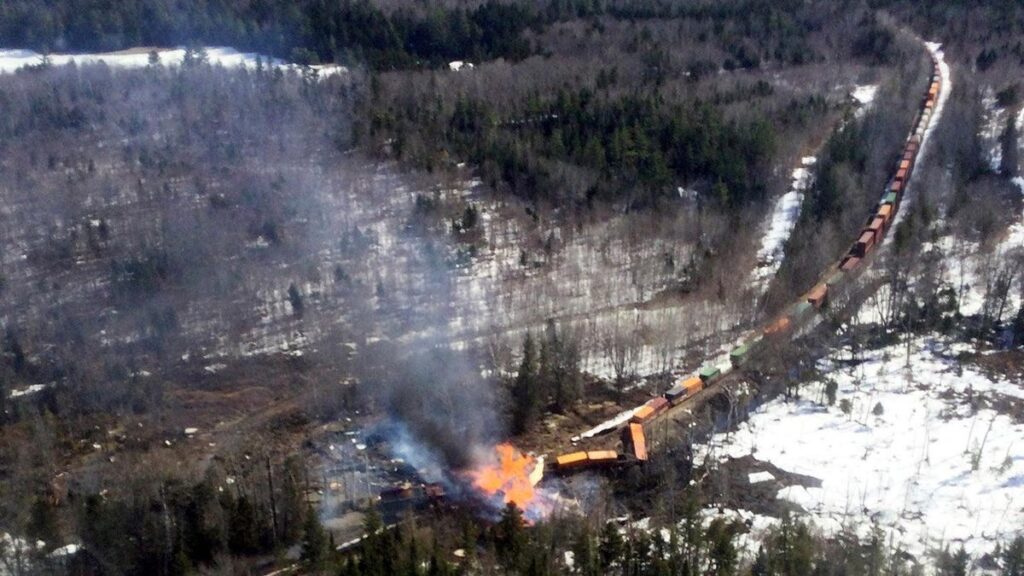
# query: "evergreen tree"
(510, 537)
(585, 558)
(203, 530)
(377, 551)
(243, 528)
(526, 401)
(611, 547)
(314, 539)
(762, 564)
(1013, 558)
(43, 523)
(295, 299)
(721, 548)
(952, 564)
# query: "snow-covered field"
(920, 451)
(13, 60)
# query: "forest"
(408, 35)
(228, 295)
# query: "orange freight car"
(780, 326)
(885, 212)
(817, 295)
(684, 389)
(572, 460)
(601, 457)
(633, 438)
(642, 413)
(650, 409)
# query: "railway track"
(839, 291)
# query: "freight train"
(796, 315)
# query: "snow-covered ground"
(781, 222)
(920, 451)
(784, 214)
(865, 97)
(993, 124)
(13, 60)
(940, 105)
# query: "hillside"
(276, 276)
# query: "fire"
(511, 473)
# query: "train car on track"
(832, 287)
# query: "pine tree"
(510, 537)
(314, 539)
(611, 546)
(43, 523)
(721, 549)
(377, 553)
(243, 534)
(525, 395)
(762, 564)
(1013, 558)
(295, 298)
(952, 564)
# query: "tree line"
(549, 378)
(173, 527)
(634, 147)
(407, 35)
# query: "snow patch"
(781, 223)
(864, 96)
(14, 60)
(917, 449)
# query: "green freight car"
(743, 352)
(709, 373)
(739, 355)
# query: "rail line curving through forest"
(835, 283)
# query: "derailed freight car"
(590, 459)
(635, 441)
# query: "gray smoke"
(440, 398)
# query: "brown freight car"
(849, 263)
(864, 244)
(877, 228)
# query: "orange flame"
(508, 474)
